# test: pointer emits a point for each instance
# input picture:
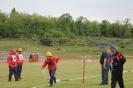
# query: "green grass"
(67, 69)
(33, 46)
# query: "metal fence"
(4, 55)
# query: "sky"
(98, 10)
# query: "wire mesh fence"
(4, 55)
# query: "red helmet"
(13, 51)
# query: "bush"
(57, 34)
(46, 42)
(70, 35)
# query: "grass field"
(67, 69)
(34, 46)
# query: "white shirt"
(21, 57)
(14, 58)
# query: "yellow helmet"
(20, 49)
(109, 51)
(49, 54)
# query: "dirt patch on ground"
(88, 58)
(76, 58)
(129, 57)
(79, 57)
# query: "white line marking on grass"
(127, 71)
(40, 86)
(82, 78)
(58, 80)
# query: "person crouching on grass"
(51, 61)
(12, 63)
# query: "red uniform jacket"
(20, 59)
(12, 60)
(51, 63)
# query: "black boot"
(51, 82)
(10, 77)
(9, 80)
(55, 80)
(16, 79)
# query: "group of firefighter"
(110, 60)
(15, 61)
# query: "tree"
(4, 25)
(65, 21)
(132, 31)
(93, 29)
(52, 30)
(80, 25)
(125, 31)
(104, 28)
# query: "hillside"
(77, 47)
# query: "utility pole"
(84, 65)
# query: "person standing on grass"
(109, 58)
(30, 57)
(108, 65)
(20, 62)
(12, 63)
(117, 67)
(51, 61)
(103, 61)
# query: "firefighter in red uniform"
(12, 63)
(51, 61)
(20, 62)
(118, 61)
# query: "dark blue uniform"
(104, 56)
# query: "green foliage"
(60, 29)
(131, 31)
(68, 47)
